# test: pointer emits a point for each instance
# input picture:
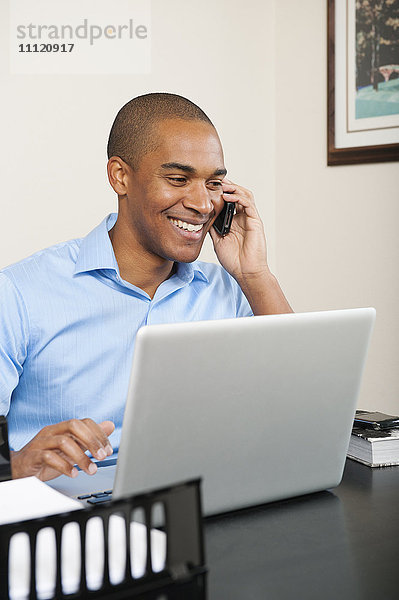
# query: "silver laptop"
(261, 407)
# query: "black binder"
(184, 573)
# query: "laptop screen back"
(261, 407)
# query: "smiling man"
(70, 313)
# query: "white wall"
(337, 227)
(259, 69)
(55, 128)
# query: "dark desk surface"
(339, 544)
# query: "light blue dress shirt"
(68, 324)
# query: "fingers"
(107, 426)
(69, 442)
(229, 191)
(66, 447)
(44, 463)
(53, 460)
(216, 237)
(89, 436)
(57, 448)
(243, 198)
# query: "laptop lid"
(261, 407)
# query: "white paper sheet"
(29, 498)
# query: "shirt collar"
(187, 271)
(96, 252)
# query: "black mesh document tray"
(183, 572)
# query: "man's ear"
(118, 172)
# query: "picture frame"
(359, 128)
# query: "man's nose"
(199, 199)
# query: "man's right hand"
(57, 448)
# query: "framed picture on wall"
(363, 81)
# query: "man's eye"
(215, 184)
(177, 180)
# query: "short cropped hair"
(132, 133)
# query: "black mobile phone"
(223, 222)
(375, 420)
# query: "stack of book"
(375, 448)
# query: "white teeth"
(186, 226)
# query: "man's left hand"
(242, 252)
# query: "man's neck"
(136, 267)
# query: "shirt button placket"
(148, 317)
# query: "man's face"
(176, 193)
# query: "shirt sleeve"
(13, 340)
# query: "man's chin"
(183, 258)
(186, 255)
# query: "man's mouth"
(186, 226)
